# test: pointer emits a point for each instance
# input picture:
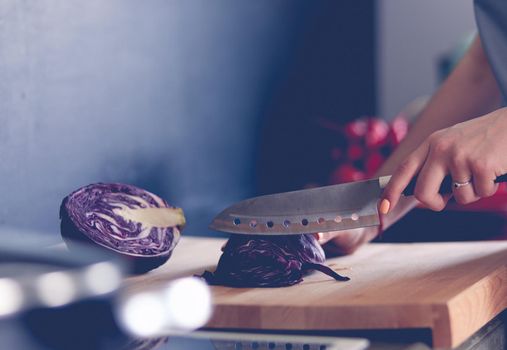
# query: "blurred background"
(202, 102)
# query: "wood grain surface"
(452, 288)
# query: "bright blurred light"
(102, 278)
(184, 304)
(143, 314)
(188, 304)
(56, 288)
(11, 296)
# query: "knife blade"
(323, 209)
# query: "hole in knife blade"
(304, 222)
(286, 223)
(253, 223)
(321, 220)
(270, 224)
(236, 221)
(338, 219)
(354, 217)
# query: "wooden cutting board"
(452, 288)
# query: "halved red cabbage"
(124, 219)
(274, 261)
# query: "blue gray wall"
(162, 94)
(169, 95)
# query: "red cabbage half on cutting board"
(269, 261)
(125, 219)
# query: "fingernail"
(318, 236)
(385, 205)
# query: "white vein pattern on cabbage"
(133, 222)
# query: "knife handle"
(445, 187)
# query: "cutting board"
(451, 288)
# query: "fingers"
(324, 237)
(349, 238)
(478, 174)
(402, 176)
(461, 173)
(346, 242)
(464, 194)
(483, 180)
(346, 236)
(428, 185)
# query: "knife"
(322, 209)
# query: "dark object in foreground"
(137, 224)
(275, 261)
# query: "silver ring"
(457, 184)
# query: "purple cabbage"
(124, 219)
(274, 261)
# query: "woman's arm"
(470, 91)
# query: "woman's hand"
(473, 149)
(473, 153)
(347, 242)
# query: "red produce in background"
(362, 145)
(398, 130)
(373, 161)
(356, 130)
(376, 134)
(346, 173)
(355, 152)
